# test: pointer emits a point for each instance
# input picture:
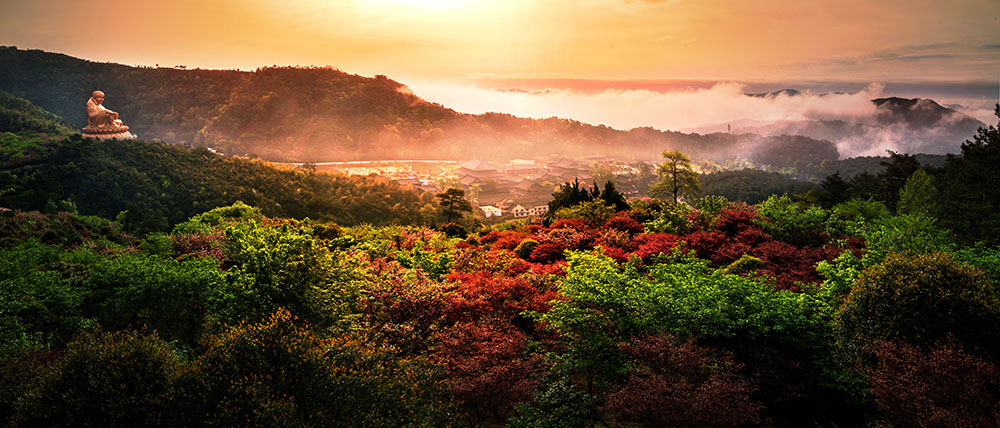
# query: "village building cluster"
(517, 188)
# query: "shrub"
(547, 252)
(624, 224)
(489, 368)
(675, 384)
(920, 299)
(454, 230)
(557, 404)
(105, 379)
(277, 373)
(523, 250)
(941, 387)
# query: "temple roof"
(477, 165)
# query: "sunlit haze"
(457, 52)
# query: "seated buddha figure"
(102, 122)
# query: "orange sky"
(769, 40)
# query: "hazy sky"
(590, 39)
(623, 45)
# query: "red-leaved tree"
(942, 387)
(489, 367)
(680, 384)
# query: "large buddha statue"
(101, 122)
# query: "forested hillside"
(322, 114)
(17, 114)
(152, 186)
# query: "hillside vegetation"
(152, 186)
(322, 114)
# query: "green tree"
(453, 203)
(105, 379)
(678, 178)
(613, 197)
(969, 191)
(918, 195)
(570, 194)
(920, 299)
(278, 372)
(835, 190)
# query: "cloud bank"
(697, 110)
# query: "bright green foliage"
(677, 178)
(918, 196)
(745, 264)
(986, 258)
(907, 234)
(711, 205)
(278, 373)
(920, 299)
(839, 275)
(435, 265)
(852, 216)
(171, 297)
(671, 218)
(595, 212)
(105, 379)
(284, 267)
(793, 222)
(41, 301)
(605, 304)
(216, 217)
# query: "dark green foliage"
(570, 194)
(279, 373)
(750, 185)
(968, 189)
(793, 151)
(150, 186)
(898, 168)
(834, 190)
(556, 405)
(524, 249)
(454, 230)
(453, 204)
(920, 299)
(611, 196)
(104, 379)
(19, 114)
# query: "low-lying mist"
(850, 120)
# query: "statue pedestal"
(108, 132)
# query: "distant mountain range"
(322, 114)
(916, 125)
